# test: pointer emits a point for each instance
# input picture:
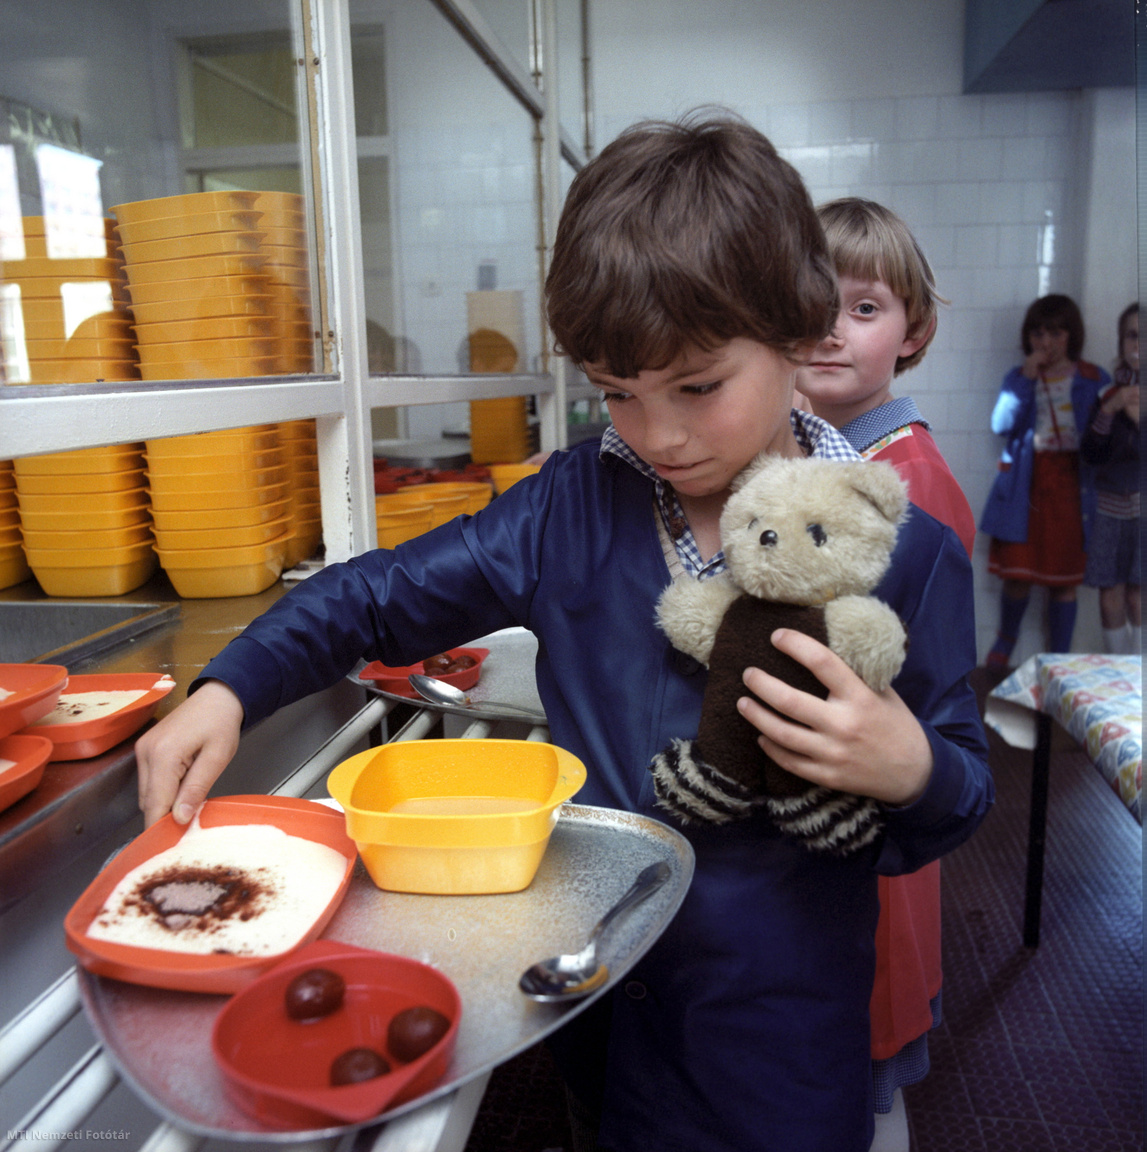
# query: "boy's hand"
(856, 741)
(183, 755)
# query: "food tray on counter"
(507, 677)
(160, 1041)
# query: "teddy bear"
(806, 541)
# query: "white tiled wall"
(1011, 195)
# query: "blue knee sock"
(1011, 617)
(1060, 624)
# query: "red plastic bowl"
(87, 738)
(30, 754)
(35, 689)
(397, 680)
(278, 1070)
(187, 972)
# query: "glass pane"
(153, 219)
(509, 20)
(571, 100)
(449, 214)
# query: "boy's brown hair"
(687, 234)
(870, 242)
(1057, 312)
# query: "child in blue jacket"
(688, 279)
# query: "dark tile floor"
(1041, 1050)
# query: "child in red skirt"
(1042, 504)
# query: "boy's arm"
(919, 747)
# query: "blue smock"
(746, 1026)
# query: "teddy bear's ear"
(880, 483)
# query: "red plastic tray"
(87, 738)
(216, 973)
(30, 754)
(35, 689)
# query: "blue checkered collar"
(815, 436)
(877, 423)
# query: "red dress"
(908, 968)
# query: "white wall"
(863, 97)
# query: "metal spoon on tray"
(439, 692)
(578, 974)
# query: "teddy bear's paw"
(825, 820)
(695, 791)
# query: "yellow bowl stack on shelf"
(288, 276)
(74, 325)
(301, 456)
(84, 520)
(195, 269)
(397, 523)
(13, 564)
(444, 504)
(219, 502)
(505, 475)
(499, 430)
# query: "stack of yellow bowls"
(13, 565)
(398, 521)
(186, 251)
(76, 326)
(219, 501)
(301, 456)
(84, 520)
(444, 504)
(288, 276)
(499, 430)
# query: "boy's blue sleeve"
(931, 588)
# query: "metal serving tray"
(160, 1041)
(507, 677)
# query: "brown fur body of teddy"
(725, 739)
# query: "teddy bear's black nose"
(818, 534)
(768, 538)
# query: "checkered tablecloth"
(1098, 699)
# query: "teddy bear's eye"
(768, 538)
(818, 534)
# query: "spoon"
(439, 692)
(572, 976)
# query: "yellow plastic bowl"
(196, 464)
(200, 288)
(478, 494)
(198, 368)
(446, 505)
(398, 524)
(211, 308)
(214, 518)
(80, 504)
(195, 267)
(235, 440)
(121, 458)
(13, 567)
(199, 501)
(190, 247)
(85, 538)
(69, 521)
(173, 483)
(210, 328)
(80, 371)
(209, 573)
(178, 539)
(79, 483)
(192, 224)
(92, 571)
(506, 475)
(164, 207)
(454, 817)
